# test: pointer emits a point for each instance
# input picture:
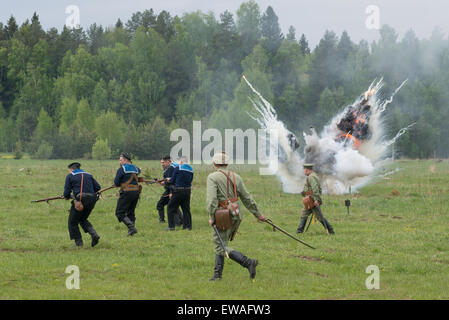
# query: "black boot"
(244, 261)
(327, 226)
(79, 242)
(94, 235)
(131, 228)
(161, 216)
(302, 224)
(218, 270)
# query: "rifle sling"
(127, 186)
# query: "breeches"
(225, 236)
(307, 213)
(126, 205)
(80, 217)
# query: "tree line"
(93, 93)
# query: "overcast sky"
(311, 17)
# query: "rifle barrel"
(47, 199)
(286, 233)
(151, 181)
(105, 189)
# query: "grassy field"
(398, 223)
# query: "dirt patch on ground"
(15, 250)
(307, 258)
(318, 274)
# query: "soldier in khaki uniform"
(313, 186)
(219, 185)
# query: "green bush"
(45, 151)
(101, 150)
(18, 150)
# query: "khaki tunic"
(315, 187)
(217, 192)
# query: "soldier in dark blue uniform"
(182, 181)
(127, 179)
(84, 187)
(168, 165)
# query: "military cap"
(308, 165)
(126, 156)
(74, 164)
(221, 158)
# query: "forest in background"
(94, 93)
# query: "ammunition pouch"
(132, 187)
(308, 202)
(232, 206)
(77, 201)
(127, 186)
(78, 205)
(223, 219)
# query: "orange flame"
(355, 142)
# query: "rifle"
(152, 181)
(48, 199)
(310, 221)
(286, 233)
(221, 240)
(99, 192)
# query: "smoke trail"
(400, 133)
(348, 152)
(388, 101)
(288, 165)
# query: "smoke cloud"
(346, 154)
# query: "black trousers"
(80, 217)
(180, 198)
(163, 201)
(126, 205)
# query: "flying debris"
(346, 154)
(354, 126)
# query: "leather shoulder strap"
(133, 177)
(232, 182)
(82, 182)
(308, 185)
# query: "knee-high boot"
(218, 270)
(245, 262)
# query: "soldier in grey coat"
(221, 186)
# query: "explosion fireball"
(347, 153)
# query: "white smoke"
(344, 164)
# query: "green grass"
(398, 223)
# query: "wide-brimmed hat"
(220, 158)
